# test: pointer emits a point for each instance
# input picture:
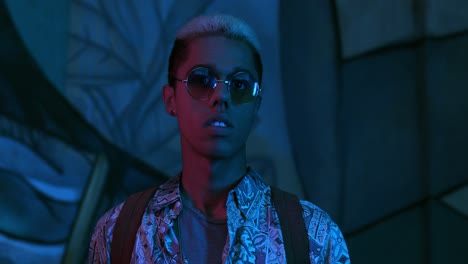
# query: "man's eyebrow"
(238, 69)
(213, 68)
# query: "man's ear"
(168, 95)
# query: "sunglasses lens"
(243, 88)
(200, 83)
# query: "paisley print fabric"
(254, 234)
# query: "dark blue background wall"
(364, 114)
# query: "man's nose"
(221, 96)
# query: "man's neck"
(206, 182)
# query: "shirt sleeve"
(326, 242)
(336, 250)
(100, 244)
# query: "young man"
(217, 210)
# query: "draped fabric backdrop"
(363, 113)
(376, 107)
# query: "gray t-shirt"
(203, 238)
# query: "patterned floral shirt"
(254, 234)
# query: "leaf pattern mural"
(116, 68)
(39, 201)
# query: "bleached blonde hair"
(208, 25)
(225, 25)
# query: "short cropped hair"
(214, 25)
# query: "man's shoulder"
(111, 215)
(319, 224)
(108, 219)
(326, 239)
(99, 247)
(310, 209)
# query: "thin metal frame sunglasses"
(202, 81)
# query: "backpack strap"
(127, 224)
(293, 229)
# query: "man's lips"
(218, 121)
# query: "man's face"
(200, 121)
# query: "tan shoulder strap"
(126, 227)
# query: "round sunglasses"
(202, 81)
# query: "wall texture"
(384, 149)
(364, 113)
